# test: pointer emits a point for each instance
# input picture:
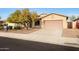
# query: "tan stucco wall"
(55, 17)
(74, 25)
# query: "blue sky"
(5, 12)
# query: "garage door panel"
(54, 27)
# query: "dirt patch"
(22, 31)
(74, 33)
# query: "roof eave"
(56, 14)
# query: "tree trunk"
(30, 24)
(33, 24)
(26, 26)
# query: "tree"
(14, 17)
(72, 17)
(34, 17)
(0, 17)
(24, 17)
(9, 19)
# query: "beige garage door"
(54, 27)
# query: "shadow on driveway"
(10, 44)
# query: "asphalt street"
(11, 44)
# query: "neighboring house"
(1, 22)
(54, 23)
(76, 23)
(11, 24)
(73, 24)
(69, 24)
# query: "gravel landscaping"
(74, 33)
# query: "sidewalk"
(74, 42)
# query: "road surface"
(11, 44)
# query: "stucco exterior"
(55, 17)
(74, 25)
(11, 24)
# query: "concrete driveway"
(43, 35)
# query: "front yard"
(74, 33)
(22, 31)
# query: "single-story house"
(12, 25)
(54, 22)
(76, 23)
(1, 22)
(70, 24)
(73, 24)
